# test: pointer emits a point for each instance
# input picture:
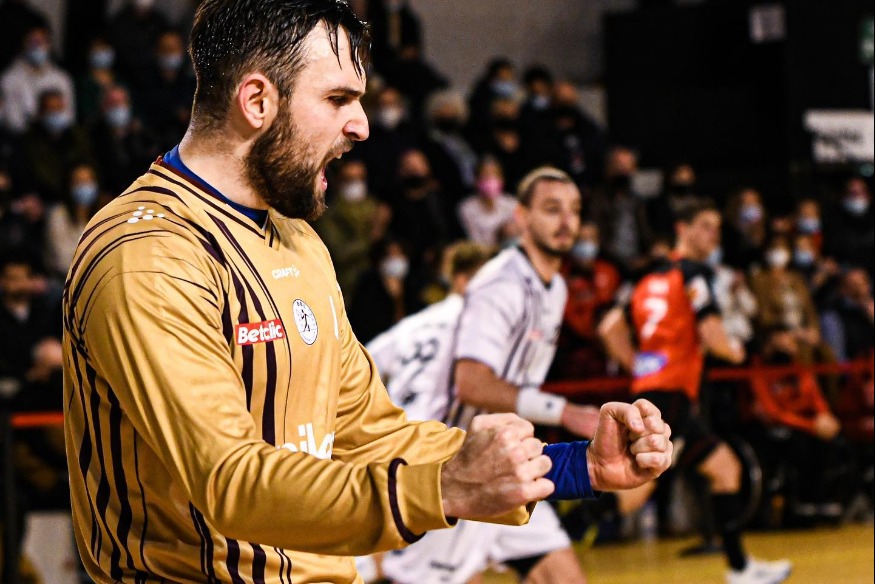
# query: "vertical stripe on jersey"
(259, 561)
(207, 550)
(142, 500)
(247, 351)
(234, 561)
(86, 451)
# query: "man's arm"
(717, 342)
(616, 335)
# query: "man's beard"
(553, 251)
(280, 169)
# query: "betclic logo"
(259, 332)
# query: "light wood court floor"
(842, 555)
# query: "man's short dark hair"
(530, 182)
(691, 210)
(231, 38)
(537, 73)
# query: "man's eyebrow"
(348, 91)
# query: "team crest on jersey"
(648, 364)
(305, 321)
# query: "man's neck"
(223, 169)
(546, 265)
(684, 252)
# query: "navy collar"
(173, 159)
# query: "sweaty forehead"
(321, 63)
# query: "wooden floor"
(825, 556)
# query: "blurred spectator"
(66, 220)
(21, 220)
(8, 140)
(679, 191)
(809, 222)
(579, 142)
(381, 293)
(97, 79)
(30, 75)
(848, 322)
(53, 146)
(850, 235)
(787, 317)
(452, 159)
(392, 135)
(484, 213)
(498, 82)
(535, 112)
(738, 305)
(745, 229)
(351, 226)
(415, 78)
(83, 21)
(394, 26)
(133, 31)
(593, 283)
(164, 100)
(504, 142)
(821, 274)
(17, 17)
(123, 147)
(620, 212)
(417, 212)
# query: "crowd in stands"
(439, 166)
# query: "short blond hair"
(530, 182)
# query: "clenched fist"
(499, 467)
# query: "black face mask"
(621, 183)
(680, 190)
(414, 182)
(448, 125)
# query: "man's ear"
(257, 100)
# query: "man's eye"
(339, 100)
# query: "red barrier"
(37, 420)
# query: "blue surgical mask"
(541, 102)
(585, 251)
(84, 194)
(118, 116)
(56, 122)
(715, 259)
(803, 258)
(37, 56)
(395, 267)
(856, 206)
(808, 225)
(171, 62)
(751, 214)
(101, 58)
(504, 88)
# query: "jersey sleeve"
(155, 333)
(699, 285)
(489, 323)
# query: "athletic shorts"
(686, 425)
(454, 556)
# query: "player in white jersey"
(505, 342)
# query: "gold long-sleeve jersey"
(223, 423)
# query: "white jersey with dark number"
(415, 359)
(510, 322)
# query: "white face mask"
(390, 117)
(715, 258)
(354, 191)
(395, 267)
(778, 257)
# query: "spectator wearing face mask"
(535, 111)
(679, 191)
(453, 160)
(808, 221)
(849, 321)
(416, 79)
(391, 136)
(578, 143)
(134, 32)
(498, 82)
(66, 220)
(788, 321)
(485, 212)
(164, 100)
(745, 229)
(51, 147)
(97, 78)
(17, 17)
(123, 146)
(32, 73)
(382, 291)
(820, 273)
(850, 235)
(593, 284)
(351, 226)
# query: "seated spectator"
(535, 112)
(392, 135)
(133, 31)
(381, 292)
(809, 222)
(679, 191)
(414, 78)
(485, 212)
(620, 212)
(97, 79)
(123, 146)
(66, 220)
(593, 283)
(802, 432)
(745, 229)
(21, 219)
(52, 147)
(452, 159)
(848, 321)
(164, 98)
(498, 82)
(821, 274)
(738, 305)
(579, 143)
(351, 226)
(850, 234)
(31, 74)
(17, 17)
(504, 142)
(788, 321)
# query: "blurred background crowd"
(794, 274)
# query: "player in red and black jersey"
(661, 336)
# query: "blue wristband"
(570, 472)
